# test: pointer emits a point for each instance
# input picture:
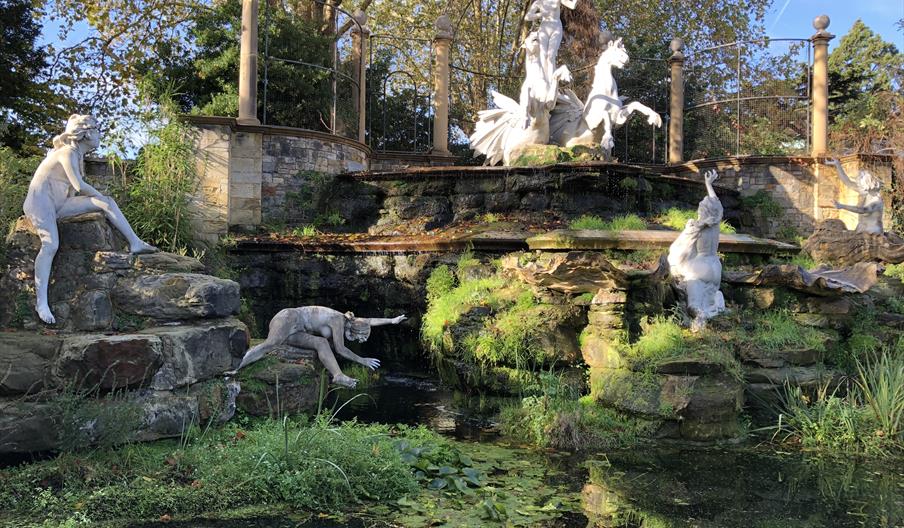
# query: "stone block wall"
(803, 187)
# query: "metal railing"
(748, 97)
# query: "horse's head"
(614, 54)
(531, 44)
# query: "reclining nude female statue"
(315, 328)
(58, 191)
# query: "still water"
(659, 486)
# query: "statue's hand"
(607, 143)
(836, 204)
(654, 120)
(833, 161)
(371, 363)
(399, 319)
(711, 176)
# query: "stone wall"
(392, 161)
(803, 187)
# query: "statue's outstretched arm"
(378, 321)
(570, 4)
(710, 177)
(72, 168)
(872, 208)
(843, 175)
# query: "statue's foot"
(46, 315)
(142, 247)
(344, 381)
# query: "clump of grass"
(315, 466)
(661, 338)
(776, 330)
(676, 219)
(764, 203)
(869, 419)
(445, 309)
(440, 282)
(307, 230)
(895, 271)
(619, 223)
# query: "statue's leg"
(324, 353)
(88, 204)
(46, 228)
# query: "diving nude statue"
(316, 328)
(870, 207)
(694, 258)
(58, 190)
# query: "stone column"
(360, 36)
(676, 102)
(248, 65)
(820, 83)
(442, 44)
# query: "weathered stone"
(688, 366)
(26, 427)
(279, 389)
(198, 352)
(571, 272)
(25, 362)
(108, 362)
(170, 262)
(829, 306)
(92, 311)
(833, 242)
(780, 358)
(601, 348)
(107, 261)
(177, 296)
(795, 376)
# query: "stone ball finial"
(677, 45)
(360, 17)
(443, 26)
(606, 36)
(821, 23)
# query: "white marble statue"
(548, 13)
(694, 258)
(870, 207)
(500, 132)
(574, 122)
(58, 190)
(316, 328)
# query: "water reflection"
(740, 487)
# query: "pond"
(659, 485)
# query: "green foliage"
(445, 310)
(867, 420)
(619, 223)
(895, 271)
(15, 175)
(763, 203)
(440, 282)
(84, 416)
(306, 230)
(158, 187)
(315, 466)
(676, 219)
(776, 330)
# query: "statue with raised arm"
(574, 122)
(694, 258)
(548, 13)
(324, 331)
(58, 190)
(870, 207)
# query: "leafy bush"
(155, 191)
(895, 271)
(619, 223)
(15, 175)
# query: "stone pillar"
(442, 44)
(360, 36)
(820, 83)
(248, 65)
(676, 102)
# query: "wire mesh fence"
(308, 78)
(747, 98)
(399, 94)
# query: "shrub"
(764, 203)
(15, 175)
(440, 282)
(155, 191)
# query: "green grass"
(776, 330)
(895, 271)
(446, 309)
(619, 223)
(764, 203)
(305, 231)
(312, 466)
(676, 219)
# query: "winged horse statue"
(500, 132)
(573, 122)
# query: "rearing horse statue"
(573, 122)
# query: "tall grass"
(676, 219)
(619, 223)
(881, 385)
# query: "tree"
(28, 108)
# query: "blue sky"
(794, 18)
